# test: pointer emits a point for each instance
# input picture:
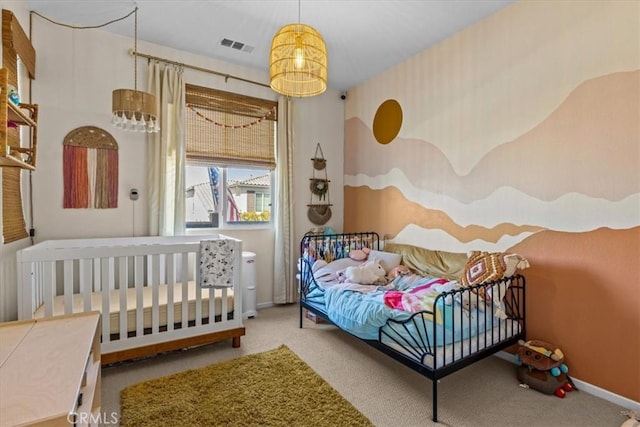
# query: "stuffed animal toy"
(634, 419)
(359, 254)
(542, 368)
(366, 274)
(400, 270)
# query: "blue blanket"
(363, 310)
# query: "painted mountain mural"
(541, 180)
(520, 134)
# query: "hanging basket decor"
(319, 162)
(319, 187)
(319, 214)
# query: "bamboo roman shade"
(13, 224)
(14, 43)
(225, 128)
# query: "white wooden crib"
(145, 287)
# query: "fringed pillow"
(490, 266)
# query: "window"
(230, 156)
(247, 201)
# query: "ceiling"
(363, 38)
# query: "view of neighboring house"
(248, 199)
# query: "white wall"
(319, 120)
(76, 72)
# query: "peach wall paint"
(522, 134)
(583, 292)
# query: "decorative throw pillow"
(329, 272)
(359, 254)
(487, 267)
(388, 260)
(429, 263)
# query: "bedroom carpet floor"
(389, 394)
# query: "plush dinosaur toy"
(542, 368)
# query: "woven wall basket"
(319, 214)
(319, 186)
(319, 162)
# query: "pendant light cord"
(135, 49)
(134, 12)
(87, 27)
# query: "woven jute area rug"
(274, 388)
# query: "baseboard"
(587, 388)
(265, 305)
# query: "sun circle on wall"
(387, 121)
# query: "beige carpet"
(386, 392)
(272, 388)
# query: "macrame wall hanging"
(90, 164)
(319, 211)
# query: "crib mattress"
(114, 305)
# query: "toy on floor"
(542, 368)
(634, 419)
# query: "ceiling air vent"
(236, 45)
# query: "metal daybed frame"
(418, 352)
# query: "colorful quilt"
(364, 313)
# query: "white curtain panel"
(285, 289)
(166, 152)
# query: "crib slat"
(138, 278)
(237, 284)
(185, 290)
(154, 282)
(49, 287)
(96, 275)
(198, 291)
(39, 293)
(212, 305)
(122, 283)
(171, 280)
(224, 306)
(105, 275)
(27, 286)
(68, 286)
(85, 273)
(112, 275)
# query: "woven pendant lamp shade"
(132, 109)
(134, 103)
(298, 61)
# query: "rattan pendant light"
(298, 61)
(134, 110)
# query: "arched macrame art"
(90, 164)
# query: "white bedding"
(114, 305)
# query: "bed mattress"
(448, 354)
(114, 305)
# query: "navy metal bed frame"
(392, 337)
